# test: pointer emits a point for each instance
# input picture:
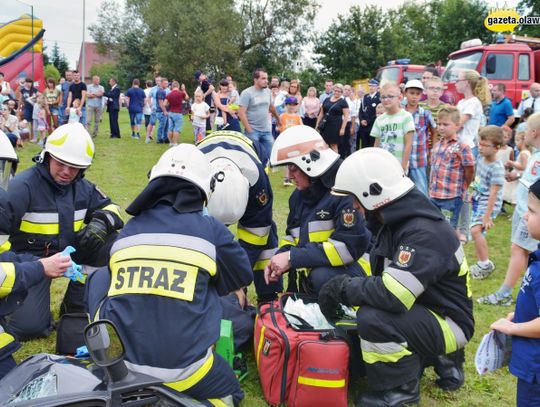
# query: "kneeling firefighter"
(417, 305)
(168, 268)
(18, 272)
(326, 235)
(243, 194)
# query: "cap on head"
(291, 100)
(414, 83)
(373, 82)
(71, 145)
(304, 147)
(374, 176)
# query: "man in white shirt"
(533, 101)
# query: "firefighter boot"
(449, 368)
(404, 395)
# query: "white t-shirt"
(73, 115)
(469, 133)
(199, 111)
(147, 107)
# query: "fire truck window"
(523, 68)
(498, 66)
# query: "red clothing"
(175, 99)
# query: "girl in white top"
(475, 95)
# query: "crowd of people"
(388, 241)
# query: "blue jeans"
(450, 208)
(83, 116)
(62, 116)
(265, 139)
(176, 120)
(419, 177)
(135, 118)
(162, 129)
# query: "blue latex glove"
(74, 271)
(82, 352)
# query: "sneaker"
(479, 273)
(496, 299)
(147, 141)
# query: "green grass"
(120, 169)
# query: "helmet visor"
(5, 173)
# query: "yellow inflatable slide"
(16, 34)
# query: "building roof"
(92, 57)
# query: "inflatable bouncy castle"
(16, 54)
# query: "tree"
(105, 72)
(225, 37)
(529, 8)
(58, 59)
(356, 45)
(121, 32)
(351, 47)
(50, 71)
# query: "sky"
(63, 19)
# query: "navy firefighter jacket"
(257, 232)
(45, 216)
(162, 286)
(324, 230)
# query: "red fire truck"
(513, 60)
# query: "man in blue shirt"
(161, 111)
(135, 100)
(501, 112)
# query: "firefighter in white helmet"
(417, 304)
(18, 272)
(242, 193)
(326, 235)
(168, 269)
(52, 206)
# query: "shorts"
(520, 234)
(478, 211)
(146, 120)
(135, 119)
(450, 209)
(528, 394)
(54, 110)
(153, 118)
(176, 120)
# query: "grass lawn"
(120, 169)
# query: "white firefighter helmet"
(71, 144)
(374, 176)
(184, 161)
(231, 192)
(8, 160)
(304, 147)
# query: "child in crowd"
(288, 119)
(516, 167)
(505, 154)
(234, 96)
(523, 243)
(424, 124)
(274, 91)
(524, 324)
(433, 103)
(24, 130)
(74, 113)
(41, 103)
(394, 130)
(452, 167)
(379, 110)
(487, 197)
(200, 112)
